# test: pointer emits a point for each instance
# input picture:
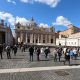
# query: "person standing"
(55, 55)
(1, 50)
(24, 47)
(42, 50)
(8, 50)
(75, 53)
(15, 50)
(71, 53)
(67, 56)
(38, 53)
(47, 51)
(31, 50)
(59, 53)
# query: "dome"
(32, 23)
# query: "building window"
(51, 40)
(18, 27)
(36, 41)
(75, 42)
(71, 42)
(28, 40)
(43, 41)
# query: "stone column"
(54, 40)
(31, 38)
(21, 37)
(26, 38)
(46, 39)
(41, 38)
(38, 38)
(34, 38)
(49, 38)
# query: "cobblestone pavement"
(73, 74)
(21, 60)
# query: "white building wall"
(68, 41)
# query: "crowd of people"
(38, 51)
(68, 54)
(8, 50)
(58, 52)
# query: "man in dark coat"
(1, 50)
(59, 53)
(31, 50)
(15, 50)
(38, 53)
(67, 56)
(47, 51)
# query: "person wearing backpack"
(8, 50)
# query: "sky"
(57, 13)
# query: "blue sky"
(57, 13)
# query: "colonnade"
(37, 38)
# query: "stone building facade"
(69, 37)
(71, 30)
(75, 35)
(6, 36)
(33, 34)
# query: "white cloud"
(8, 0)
(24, 1)
(14, 2)
(51, 3)
(43, 25)
(22, 21)
(11, 1)
(12, 20)
(7, 16)
(60, 20)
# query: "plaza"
(40, 40)
(20, 68)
